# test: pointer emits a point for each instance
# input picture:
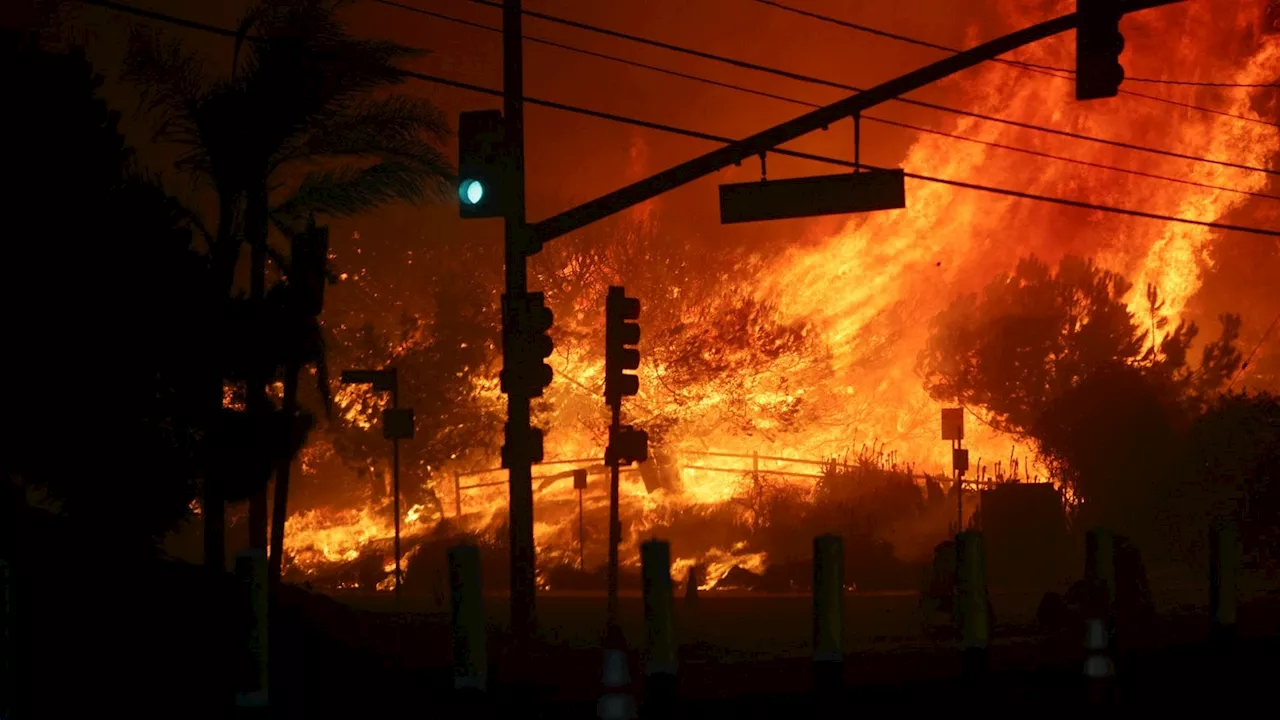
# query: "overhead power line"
(819, 81)
(805, 103)
(848, 88)
(671, 129)
(162, 17)
(1014, 63)
(1051, 71)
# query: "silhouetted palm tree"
(301, 92)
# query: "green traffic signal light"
(471, 192)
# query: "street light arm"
(671, 178)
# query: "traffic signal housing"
(1099, 43)
(629, 446)
(527, 345)
(482, 165)
(526, 441)
(622, 333)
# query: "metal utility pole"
(397, 425)
(580, 484)
(953, 430)
(626, 444)
(519, 455)
(395, 481)
(615, 521)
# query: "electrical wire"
(1014, 63)
(819, 81)
(805, 103)
(1049, 70)
(162, 17)
(1245, 365)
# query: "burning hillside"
(808, 353)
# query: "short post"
(580, 484)
(975, 619)
(1099, 670)
(1224, 566)
(1100, 577)
(660, 641)
(616, 699)
(1100, 567)
(8, 682)
(828, 614)
(251, 683)
(470, 663)
(691, 586)
(457, 495)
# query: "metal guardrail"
(755, 468)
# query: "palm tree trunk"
(256, 232)
(280, 505)
(213, 501)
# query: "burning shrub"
(1059, 357)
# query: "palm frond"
(171, 82)
(247, 24)
(393, 125)
(349, 191)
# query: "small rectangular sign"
(813, 196)
(381, 380)
(397, 423)
(952, 423)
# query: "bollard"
(8, 682)
(251, 686)
(470, 662)
(1223, 568)
(616, 699)
(1099, 670)
(659, 611)
(971, 589)
(1100, 578)
(828, 613)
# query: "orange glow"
(863, 296)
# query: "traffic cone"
(1099, 670)
(617, 701)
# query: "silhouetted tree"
(1058, 357)
(104, 303)
(301, 92)
(446, 353)
(1235, 456)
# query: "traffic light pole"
(520, 473)
(395, 487)
(615, 523)
(643, 190)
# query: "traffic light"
(621, 333)
(527, 345)
(482, 167)
(532, 440)
(1098, 47)
(629, 446)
